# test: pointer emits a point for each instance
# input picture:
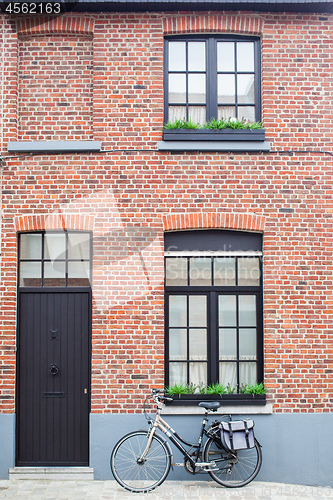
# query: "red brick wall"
(133, 197)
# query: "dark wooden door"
(53, 378)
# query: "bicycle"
(141, 460)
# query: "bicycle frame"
(162, 425)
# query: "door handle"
(54, 334)
(54, 369)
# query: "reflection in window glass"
(55, 273)
(198, 310)
(79, 246)
(55, 246)
(248, 343)
(31, 246)
(196, 88)
(227, 310)
(245, 89)
(78, 273)
(248, 271)
(31, 274)
(227, 343)
(226, 89)
(177, 56)
(177, 344)
(176, 271)
(177, 310)
(196, 56)
(245, 56)
(177, 88)
(200, 271)
(247, 310)
(224, 271)
(198, 343)
(225, 56)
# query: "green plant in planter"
(213, 124)
(181, 124)
(253, 389)
(178, 389)
(215, 389)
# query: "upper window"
(55, 259)
(213, 308)
(212, 77)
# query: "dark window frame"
(66, 260)
(211, 72)
(236, 244)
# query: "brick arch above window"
(213, 23)
(42, 222)
(220, 220)
(59, 25)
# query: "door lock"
(54, 369)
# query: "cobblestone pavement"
(175, 490)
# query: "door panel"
(53, 378)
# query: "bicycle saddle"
(213, 406)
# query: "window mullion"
(211, 79)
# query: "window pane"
(177, 373)
(245, 56)
(198, 310)
(177, 88)
(177, 310)
(196, 56)
(228, 374)
(31, 246)
(246, 113)
(247, 310)
(245, 89)
(79, 246)
(177, 113)
(225, 56)
(177, 344)
(196, 88)
(176, 271)
(224, 272)
(200, 271)
(247, 343)
(247, 373)
(227, 310)
(248, 271)
(226, 112)
(197, 114)
(177, 56)
(31, 274)
(226, 89)
(79, 273)
(198, 373)
(55, 246)
(198, 343)
(227, 343)
(55, 273)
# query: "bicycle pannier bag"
(237, 434)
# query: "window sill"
(213, 135)
(53, 146)
(215, 146)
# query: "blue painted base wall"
(297, 448)
(7, 446)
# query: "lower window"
(214, 319)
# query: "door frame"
(18, 322)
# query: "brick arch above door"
(212, 220)
(42, 222)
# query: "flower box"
(214, 135)
(223, 399)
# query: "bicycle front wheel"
(140, 475)
(233, 469)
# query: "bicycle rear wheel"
(234, 469)
(138, 476)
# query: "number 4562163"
(33, 8)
